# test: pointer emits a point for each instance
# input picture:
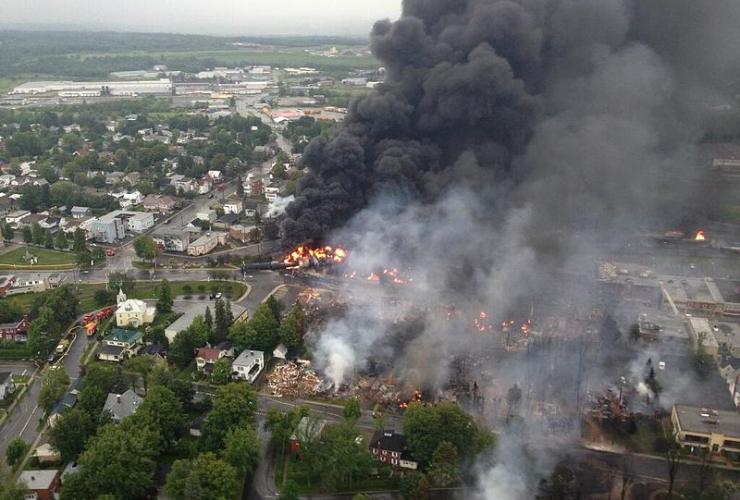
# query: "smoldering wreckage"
(512, 141)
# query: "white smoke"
(277, 207)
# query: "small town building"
(80, 212)
(120, 406)
(47, 454)
(42, 484)
(120, 345)
(248, 365)
(308, 429)
(160, 204)
(390, 447)
(133, 312)
(233, 207)
(717, 431)
(206, 357)
(206, 243)
(16, 330)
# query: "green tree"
(163, 413)
(445, 469)
(38, 234)
(165, 301)
(10, 489)
(427, 426)
(276, 307)
(121, 280)
(261, 332)
(206, 477)
(360, 496)
(221, 372)
(241, 449)
(48, 239)
(104, 297)
(146, 248)
(208, 318)
(182, 349)
(224, 319)
(234, 406)
(61, 242)
(344, 456)
(142, 367)
(16, 451)
(70, 433)
(8, 232)
(27, 235)
(54, 384)
(289, 491)
(415, 486)
(119, 460)
(79, 244)
(239, 186)
(702, 362)
(352, 410)
(282, 426)
(293, 327)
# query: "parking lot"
(17, 367)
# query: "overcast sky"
(227, 17)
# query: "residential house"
(232, 206)
(156, 351)
(41, 183)
(253, 187)
(716, 431)
(216, 176)
(16, 330)
(132, 178)
(206, 357)
(187, 184)
(225, 221)
(31, 219)
(84, 223)
(113, 178)
(47, 454)
(81, 212)
(41, 484)
(6, 180)
(271, 192)
(172, 240)
(206, 243)
(120, 406)
(69, 400)
(7, 385)
(159, 204)
(280, 352)
(14, 218)
(50, 223)
(308, 429)
(248, 365)
(120, 345)
(6, 283)
(134, 312)
(202, 186)
(240, 232)
(131, 199)
(112, 227)
(207, 215)
(27, 283)
(390, 447)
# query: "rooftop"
(122, 405)
(125, 336)
(197, 309)
(38, 479)
(388, 440)
(707, 421)
(248, 357)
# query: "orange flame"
(304, 256)
(700, 236)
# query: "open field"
(14, 259)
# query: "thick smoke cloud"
(511, 139)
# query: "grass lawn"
(145, 290)
(45, 258)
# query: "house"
(84, 223)
(112, 227)
(280, 352)
(114, 178)
(271, 192)
(233, 207)
(390, 447)
(226, 221)
(308, 429)
(254, 187)
(172, 240)
(7, 385)
(240, 232)
(206, 243)
(120, 344)
(50, 223)
(42, 484)
(701, 332)
(69, 400)
(134, 312)
(16, 330)
(14, 218)
(80, 212)
(207, 215)
(248, 365)
(31, 219)
(6, 284)
(196, 426)
(47, 454)
(27, 283)
(216, 176)
(156, 351)
(160, 204)
(206, 357)
(131, 199)
(714, 430)
(199, 309)
(132, 178)
(120, 406)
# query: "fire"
(700, 236)
(481, 324)
(373, 277)
(304, 256)
(415, 399)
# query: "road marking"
(29, 419)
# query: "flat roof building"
(714, 430)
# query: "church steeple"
(121, 296)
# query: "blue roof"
(126, 336)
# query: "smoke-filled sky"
(216, 17)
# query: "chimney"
(118, 398)
(388, 433)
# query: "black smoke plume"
(585, 108)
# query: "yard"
(15, 259)
(146, 290)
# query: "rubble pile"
(377, 390)
(293, 380)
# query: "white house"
(131, 199)
(120, 344)
(233, 207)
(14, 218)
(248, 365)
(133, 312)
